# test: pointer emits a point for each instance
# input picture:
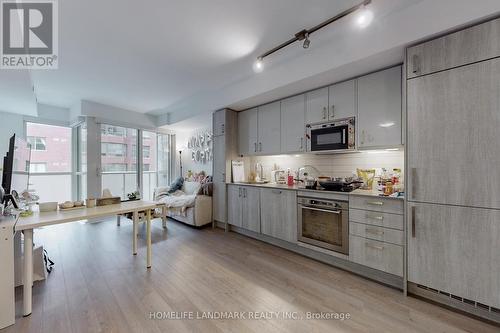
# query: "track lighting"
(258, 65)
(363, 19)
(306, 41)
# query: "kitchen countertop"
(299, 188)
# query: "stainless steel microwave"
(338, 135)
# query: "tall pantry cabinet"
(224, 150)
(453, 158)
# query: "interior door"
(293, 124)
(269, 128)
(453, 153)
(342, 100)
(247, 131)
(455, 250)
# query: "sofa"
(186, 205)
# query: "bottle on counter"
(289, 177)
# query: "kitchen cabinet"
(317, 106)
(244, 207)
(477, 43)
(279, 214)
(455, 250)
(379, 109)
(248, 131)
(269, 125)
(293, 124)
(453, 155)
(383, 256)
(342, 100)
(219, 122)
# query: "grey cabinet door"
(293, 124)
(477, 43)
(250, 212)
(317, 106)
(342, 100)
(219, 163)
(219, 201)
(234, 205)
(219, 122)
(379, 109)
(279, 214)
(269, 126)
(453, 150)
(455, 250)
(247, 131)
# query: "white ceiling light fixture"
(364, 19)
(387, 124)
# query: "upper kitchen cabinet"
(293, 124)
(269, 125)
(317, 106)
(477, 43)
(453, 151)
(219, 122)
(248, 131)
(379, 109)
(342, 100)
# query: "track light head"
(307, 42)
(258, 65)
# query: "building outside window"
(37, 143)
(38, 167)
(114, 167)
(113, 149)
(113, 130)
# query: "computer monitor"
(16, 164)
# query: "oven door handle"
(323, 210)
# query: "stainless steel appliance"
(338, 135)
(324, 223)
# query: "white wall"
(181, 140)
(9, 124)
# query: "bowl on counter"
(47, 206)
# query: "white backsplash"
(336, 165)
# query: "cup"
(90, 203)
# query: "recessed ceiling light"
(258, 65)
(388, 124)
(364, 17)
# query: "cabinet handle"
(416, 64)
(277, 191)
(239, 192)
(374, 246)
(333, 112)
(363, 137)
(413, 178)
(260, 146)
(413, 226)
(375, 203)
(324, 112)
(222, 128)
(244, 193)
(374, 217)
(301, 143)
(373, 231)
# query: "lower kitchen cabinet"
(455, 250)
(279, 214)
(244, 207)
(383, 256)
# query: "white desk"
(37, 220)
(7, 302)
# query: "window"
(145, 167)
(113, 130)
(38, 167)
(114, 167)
(146, 151)
(113, 149)
(37, 143)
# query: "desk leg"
(135, 219)
(148, 237)
(164, 216)
(118, 220)
(28, 271)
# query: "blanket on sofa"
(178, 201)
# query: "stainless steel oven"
(331, 136)
(324, 223)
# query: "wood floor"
(99, 286)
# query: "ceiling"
(188, 58)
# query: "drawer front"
(380, 219)
(376, 233)
(378, 255)
(377, 204)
